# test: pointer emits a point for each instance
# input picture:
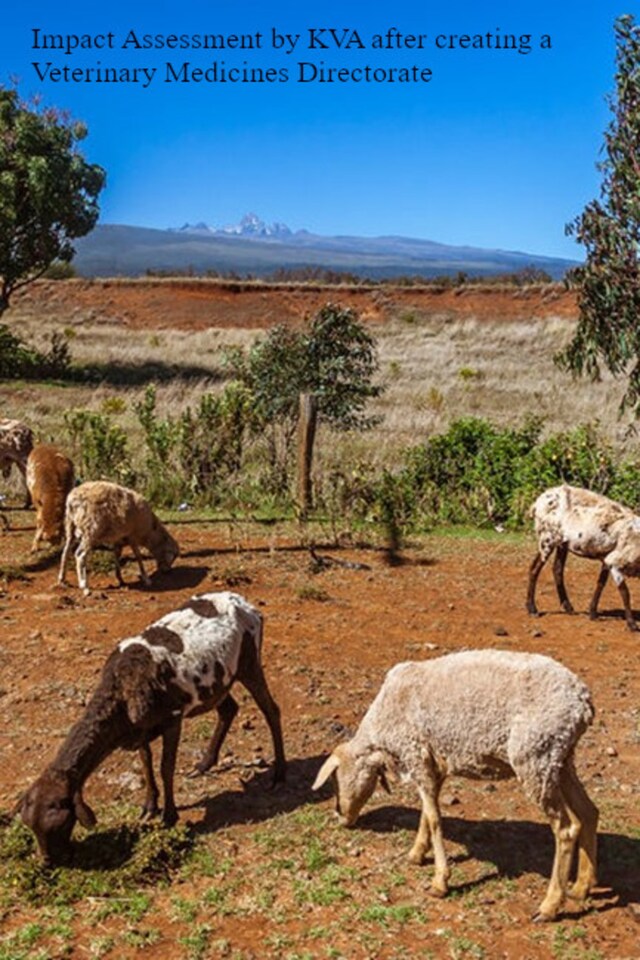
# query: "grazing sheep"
(479, 713)
(16, 443)
(181, 666)
(570, 519)
(50, 478)
(100, 513)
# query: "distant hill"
(253, 247)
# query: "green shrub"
(479, 474)
(99, 447)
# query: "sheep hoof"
(416, 856)
(578, 892)
(169, 818)
(437, 892)
(149, 813)
(197, 771)
(539, 917)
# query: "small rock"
(611, 752)
(537, 633)
(450, 800)
(501, 632)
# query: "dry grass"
(435, 367)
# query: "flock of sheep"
(479, 713)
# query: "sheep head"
(163, 546)
(51, 808)
(355, 776)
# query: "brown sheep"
(50, 478)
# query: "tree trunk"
(306, 437)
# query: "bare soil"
(329, 639)
(199, 304)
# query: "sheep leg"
(565, 831)
(626, 600)
(117, 553)
(537, 564)
(226, 711)
(254, 680)
(422, 843)
(170, 741)
(559, 562)
(143, 573)
(68, 543)
(81, 568)
(586, 814)
(4, 521)
(150, 807)
(600, 585)
(431, 827)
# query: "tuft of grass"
(109, 863)
(309, 591)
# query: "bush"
(482, 475)
(100, 447)
(19, 361)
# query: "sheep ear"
(84, 813)
(331, 763)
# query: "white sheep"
(479, 713)
(180, 666)
(100, 513)
(16, 443)
(571, 519)
(50, 478)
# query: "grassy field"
(435, 367)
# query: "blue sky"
(497, 150)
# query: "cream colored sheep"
(16, 443)
(100, 513)
(573, 520)
(50, 477)
(480, 713)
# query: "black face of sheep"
(51, 810)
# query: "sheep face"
(164, 549)
(51, 530)
(51, 809)
(355, 776)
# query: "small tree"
(334, 358)
(48, 192)
(608, 284)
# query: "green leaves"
(334, 358)
(608, 284)
(48, 192)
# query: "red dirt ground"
(329, 638)
(198, 304)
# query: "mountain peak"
(250, 225)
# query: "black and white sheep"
(573, 520)
(479, 713)
(100, 513)
(180, 666)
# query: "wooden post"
(306, 437)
